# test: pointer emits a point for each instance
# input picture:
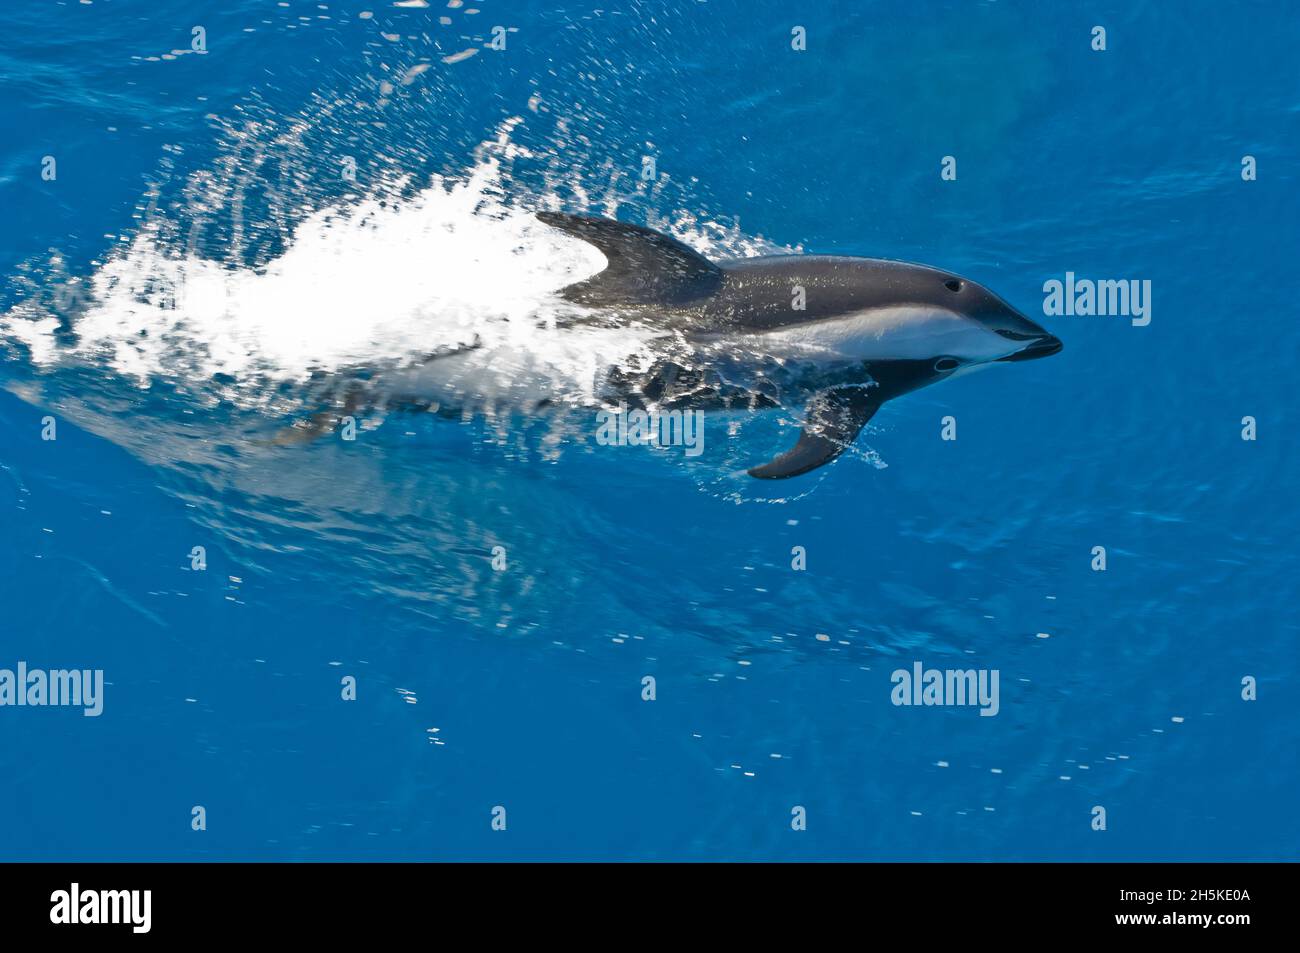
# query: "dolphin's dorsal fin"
(645, 267)
(832, 422)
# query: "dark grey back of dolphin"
(650, 270)
(655, 273)
(756, 293)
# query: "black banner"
(182, 902)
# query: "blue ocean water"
(201, 166)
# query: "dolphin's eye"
(945, 364)
(952, 284)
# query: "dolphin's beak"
(1045, 346)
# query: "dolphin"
(836, 335)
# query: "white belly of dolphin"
(897, 333)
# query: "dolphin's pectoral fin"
(645, 267)
(832, 422)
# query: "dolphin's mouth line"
(1045, 346)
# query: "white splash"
(384, 282)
